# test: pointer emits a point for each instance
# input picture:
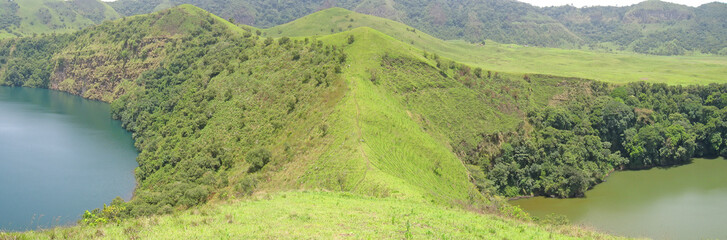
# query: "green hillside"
(608, 67)
(651, 27)
(27, 17)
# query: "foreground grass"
(608, 67)
(317, 215)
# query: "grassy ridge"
(387, 151)
(608, 67)
(319, 215)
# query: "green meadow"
(318, 215)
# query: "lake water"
(59, 156)
(684, 202)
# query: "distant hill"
(618, 67)
(27, 17)
(652, 27)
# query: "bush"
(246, 186)
(258, 158)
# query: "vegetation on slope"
(576, 144)
(608, 67)
(192, 80)
(469, 113)
(651, 27)
(446, 98)
(293, 125)
(27, 17)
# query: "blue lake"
(59, 156)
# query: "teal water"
(59, 156)
(684, 202)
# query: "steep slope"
(28, 17)
(609, 67)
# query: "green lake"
(59, 156)
(683, 202)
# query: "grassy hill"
(609, 67)
(28, 17)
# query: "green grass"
(64, 17)
(378, 148)
(317, 215)
(608, 67)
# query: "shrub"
(258, 158)
(246, 186)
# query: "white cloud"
(620, 3)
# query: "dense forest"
(575, 145)
(651, 27)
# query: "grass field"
(608, 67)
(318, 215)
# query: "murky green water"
(59, 155)
(684, 202)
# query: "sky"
(582, 3)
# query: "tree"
(611, 120)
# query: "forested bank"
(639, 125)
(209, 104)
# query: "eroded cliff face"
(101, 62)
(100, 74)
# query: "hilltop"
(28, 17)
